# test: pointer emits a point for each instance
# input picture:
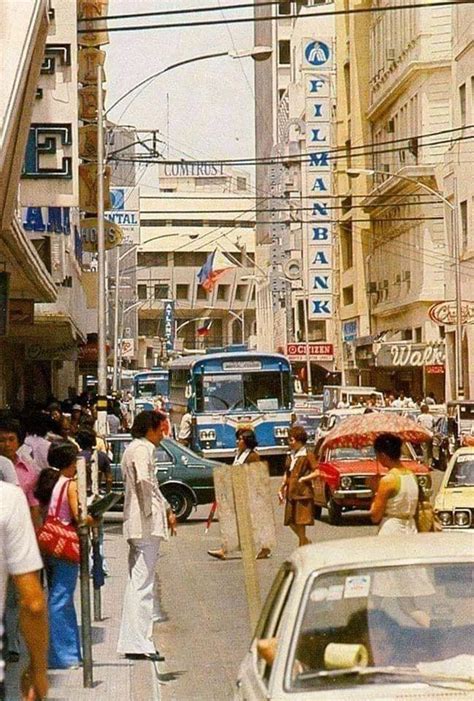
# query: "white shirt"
(7, 471)
(240, 459)
(301, 453)
(144, 511)
(19, 551)
(426, 420)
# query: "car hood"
(372, 466)
(455, 498)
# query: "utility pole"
(101, 320)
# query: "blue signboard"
(169, 323)
(350, 330)
(317, 53)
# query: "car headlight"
(280, 431)
(462, 518)
(207, 434)
(445, 517)
(346, 482)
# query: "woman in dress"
(64, 644)
(298, 495)
(245, 453)
(395, 502)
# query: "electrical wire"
(270, 18)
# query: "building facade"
(459, 189)
(200, 208)
(393, 238)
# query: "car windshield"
(151, 387)
(462, 474)
(261, 391)
(365, 453)
(401, 616)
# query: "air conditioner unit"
(391, 55)
(371, 287)
(390, 126)
(398, 279)
(385, 167)
(406, 276)
(383, 285)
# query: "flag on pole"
(204, 328)
(215, 266)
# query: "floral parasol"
(363, 429)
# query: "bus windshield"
(151, 387)
(259, 391)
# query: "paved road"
(208, 632)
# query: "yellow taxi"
(454, 503)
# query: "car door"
(163, 464)
(255, 675)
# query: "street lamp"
(259, 53)
(355, 172)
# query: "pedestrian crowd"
(39, 449)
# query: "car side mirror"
(184, 459)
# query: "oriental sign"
(405, 354)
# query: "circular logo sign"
(445, 313)
(317, 53)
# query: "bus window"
(262, 391)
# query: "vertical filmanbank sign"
(317, 68)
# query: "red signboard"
(317, 351)
(434, 369)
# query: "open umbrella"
(362, 429)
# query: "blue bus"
(150, 388)
(228, 390)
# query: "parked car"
(366, 618)
(454, 502)
(185, 478)
(349, 478)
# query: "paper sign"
(335, 592)
(356, 587)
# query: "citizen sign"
(317, 351)
(410, 354)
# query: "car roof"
(467, 450)
(364, 551)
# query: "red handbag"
(59, 539)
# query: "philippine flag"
(214, 267)
(204, 327)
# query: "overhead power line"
(239, 20)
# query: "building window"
(241, 183)
(317, 330)
(284, 54)
(201, 293)
(161, 291)
(187, 259)
(348, 295)
(284, 8)
(223, 293)
(418, 334)
(241, 293)
(147, 327)
(152, 259)
(141, 291)
(182, 291)
(406, 334)
(347, 248)
(464, 227)
(462, 104)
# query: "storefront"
(415, 368)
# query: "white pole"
(116, 322)
(102, 352)
(458, 293)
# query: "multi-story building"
(459, 189)
(200, 208)
(24, 277)
(401, 263)
(299, 190)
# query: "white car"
(364, 619)
(454, 503)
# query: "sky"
(211, 103)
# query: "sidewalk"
(114, 677)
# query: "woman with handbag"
(62, 571)
(296, 489)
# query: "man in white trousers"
(146, 519)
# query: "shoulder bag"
(425, 517)
(58, 539)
